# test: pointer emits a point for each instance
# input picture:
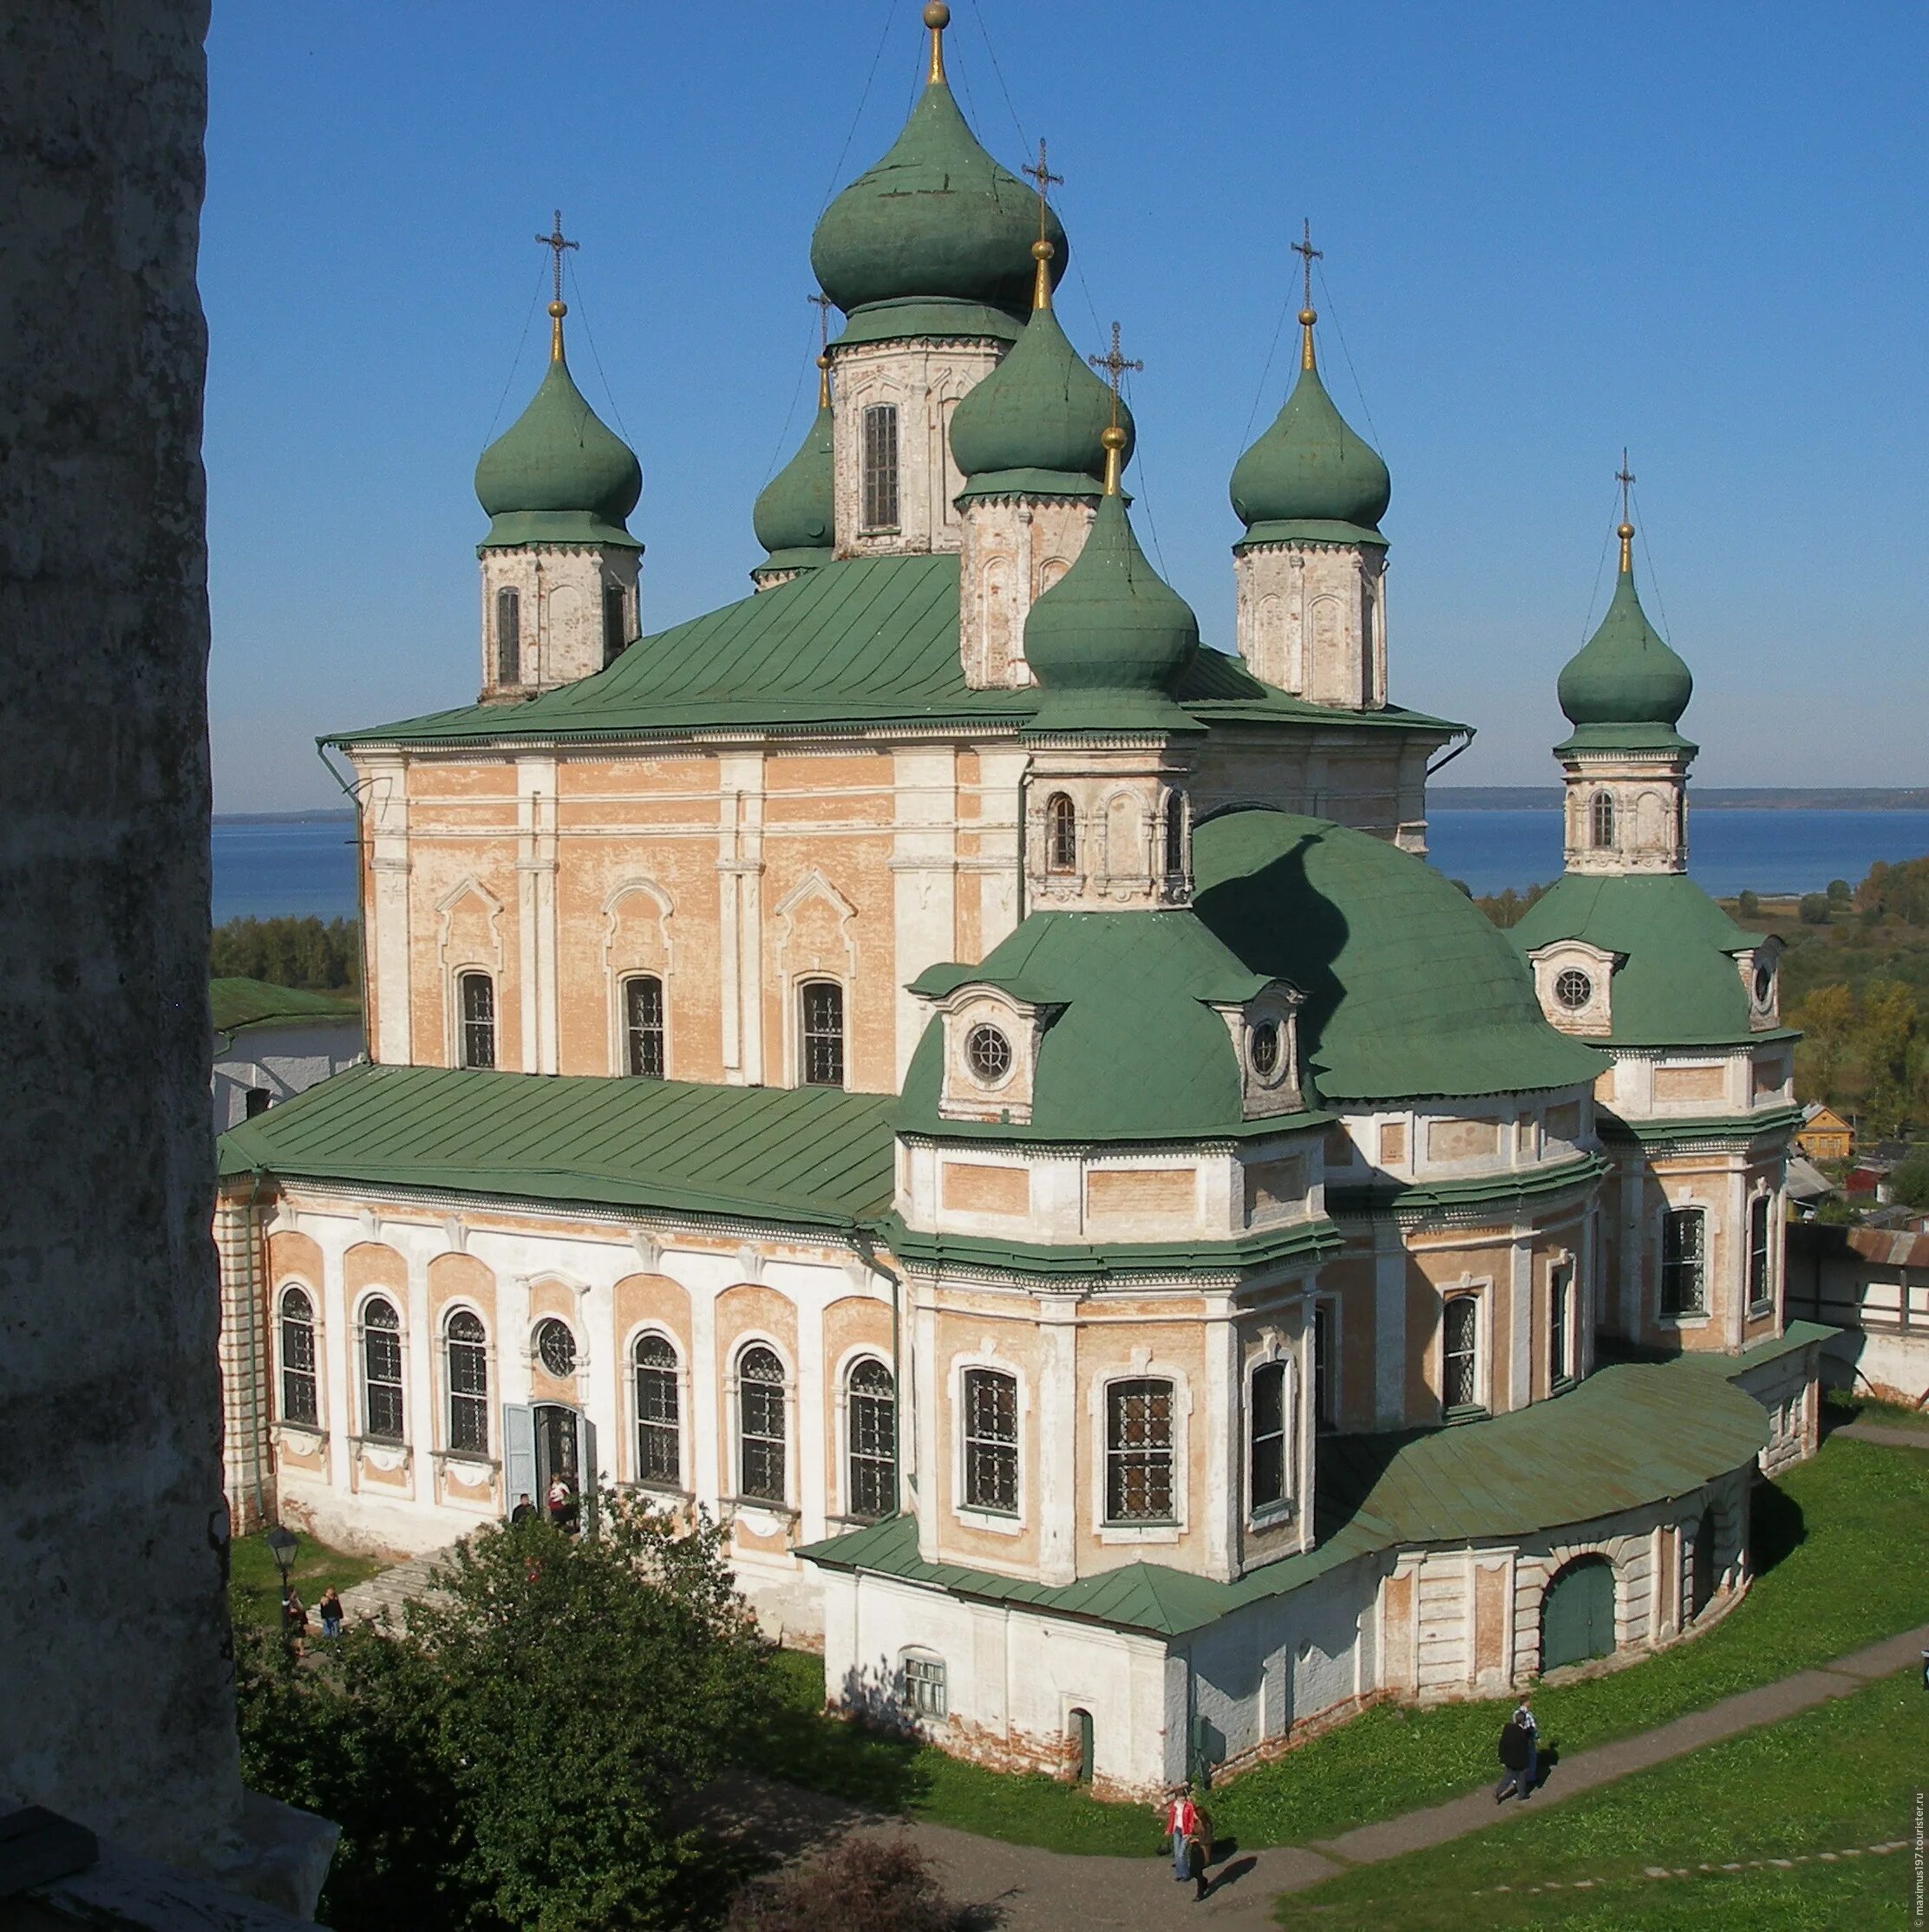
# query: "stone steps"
(390, 1590)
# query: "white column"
(1521, 1367)
(740, 866)
(342, 1414)
(1634, 1216)
(815, 1489)
(706, 1434)
(423, 1429)
(1390, 1325)
(1735, 1254)
(920, 1324)
(924, 879)
(1001, 889)
(1218, 1511)
(536, 888)
(1055, 1484)
(385, 825)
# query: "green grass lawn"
(254, 1589)
(1839, 1406)
(1840, 1776)
(1826, 1537)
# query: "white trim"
(1480, 1291)
(319, 1426)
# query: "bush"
(1840, 892)
(1748, 906)
(861, 1884)
(1815, 909)
(1910, 1182)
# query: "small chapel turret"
(1310, 573)
(1625, 765)
(559, 566)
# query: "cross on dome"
(1308, 314)
(557, 242)
(1625, 477)
(1114, 364)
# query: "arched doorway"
(1577, 1614)
(1078, 1723)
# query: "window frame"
(538, 1328)
(637, 1033)
(1760, 1250)
(472, 1403)
(1475, 1402)
(468, 1029)
(867, 1448)
(741, 1386)
(658, 1428)
(1176, 842)
(1122, 1458)
(918, 1667)
(1563, 1350)
(1323, 1380)
(508, 664)
(616, 622)
(977, 1448)
(808, 1036)
(1602, 817)
(880, 471)
(366, 1331)
(1262, 1512)
(292, 1371)
(1675, 1265)
(1062, 836)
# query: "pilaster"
(384, 785)
(739, 897)
(1014, 548)
(1309, 618)
(1059, 1477)
(924, 879)
(536, 928)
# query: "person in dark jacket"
(1198, 1851)
(525, 1510)
(331, 1609)
(1516, 1752)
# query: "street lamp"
(282, 1545)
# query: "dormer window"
(1266, 1048)
(880, 467)
(1573, 989)
(1060, 834)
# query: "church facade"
(984, 1093)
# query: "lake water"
(269, 867)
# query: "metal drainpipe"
(361, 912)
(1441, 765)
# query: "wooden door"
(1577, 1615)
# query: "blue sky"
(1549, 230)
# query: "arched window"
(1560, 1324)
(659, 1413)
(1761, 1277)
(1060, 834)
(871, 1432)
(1268, 1449)
(990, 1441)
(760, 1425)
(1138, 1452)
(1600, 812)
(642, 1026)
(477, 994)
(1326, 1379)
(467, 1346)
(821, 1014)
(880, 467)
(615, 627)
(1460, 1352)
(508, 637)
(382, 1370)
(300, 1400)
(1175, 835)
(1683, 1261)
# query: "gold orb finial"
(1624, 532)
(1308, 317)
(1112, 440)
(937, 17)
(557, 311)
(1111, 437)
(1042, 251)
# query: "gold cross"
(824, 305)
(554, 241)
(1046, 179)
(1305, 247)
(1114, 366)
(1625, 477)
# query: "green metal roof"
(863, 641)
(1309, 471)
(794, 511)
(814, 1155)
(1625, 682)
(1411, 992)
(1483, 1192)
(1680, 985)
(1630, 1435)
(240, 1004)
(1726, 1127)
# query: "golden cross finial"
(1041, 250)
(1114, 364)
(824, 305)
(557, 308)
(1308, 314)
(1625, 477)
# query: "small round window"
(556, 1347)
(988, 1053)
(1266, 1048)
(1764, 986)
(1573, 990)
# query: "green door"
(1577, 1615)
(1082, 1741)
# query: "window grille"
(615, 628)
(1267, 1486)
(1761, 1284)
(1560, 1296)
(822, 1004)
(642, 1026)
(300, 1396)
(556, 1348)
(988, 1053)
(508, 637)
(469, 1383)
(760, 1425)
(1573, 989)
(1601, 816)
(1324, 1413)
(1683, 1269)
(478, 1042)
(659, 1413)
(1175, 835)
(1460, 1352)
(990, 1441)
(1138, 1452)
(382, 1370)
(880, 467)
(923, 1686)
(871, 1423)
(1060, 834)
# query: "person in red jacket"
(1181, 1825)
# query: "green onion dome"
(1309, 476)
(794, 511)
(1625, 682)
(1110, 637)
(557, 474)
(937, 220)
(1034, 426)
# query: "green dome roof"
(1109, 639)
(1309, 476)
(937, 219)
(1410, 990)
(794, 511)
(1624, 676)
(557, 474)
(1041, 409)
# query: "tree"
(859, 1885)
(1910, 1182)
(515, 1755)
(1886, 1042)
(1839, 893)
(1815, 909)
(1748, 906)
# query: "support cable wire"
(522, 343)
(891, 12)
(790, 414)
(583, 316)
(1330, 309)
(1265, 373)
(1600, 567)
(1647, 557)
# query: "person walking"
(294, 1620)
(1523, 1716)
(1515, 1748)
(1198, 1850)
(330, 1608)
(1181, 1821)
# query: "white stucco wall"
(285, 1060)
